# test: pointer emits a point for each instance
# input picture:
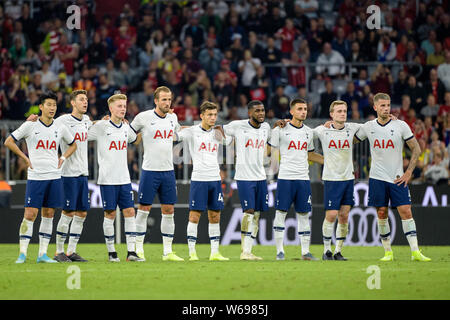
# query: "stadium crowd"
(231, 52)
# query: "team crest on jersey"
(392, 132)
(56, 134)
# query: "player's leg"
(148, 186)
(76, 228)
(62, 229)
(168, 197)
(283, 202)
(45, 234)
(34, 197)
(302, 208)
(215, 205)
(409, 228)
(327, 233)
(379, 198)
(52, 199)
(110, 200)
(192, 230)
(247, 191)
(26, 232)
(341, 231)
(261, 205)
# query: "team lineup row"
(61, 182)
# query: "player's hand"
(60, 162)
(32, 117)
(328, 124)
(107, 117)
(27, 160)
(171, 110)
(405, 178)
(281, 123)
(125, 121)
(392, 117)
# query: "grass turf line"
(228, 280)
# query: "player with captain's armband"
(206, 187)
(44, 187)
(112, 138)
(387, 181)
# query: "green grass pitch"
(232, 280)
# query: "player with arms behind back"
(158, 127)
(112, 138)
(387, 181)
(296, 146)
(206, 187)
(44, 187)
(251, 136)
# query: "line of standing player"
(158, 128)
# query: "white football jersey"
(250, 147)
(386, 147)
(337, 146)
(157, 139)
(77, 164)
(112, 146)
(204, 149)
(294, 144)
(43, 142)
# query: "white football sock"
(61, 232)
(167, 232)
(278, 228)
(409, 228)
(248, 240)
(256, 216)
(244, 228)
(385, 233)
(75, 233)
(341, 233)
(130, 233)
(25, 234)
(327, 234)
(45, 234)
(304, 231)
(192, 236)
(214, 237)
(141, 229)
(108, 231)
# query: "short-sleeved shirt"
(77, 164)
(294, 144)
(204, 149)
(43, 142)
(337, 146)
(386, 147)
(250, 147)
(157, 139)
(112, 145)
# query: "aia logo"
(46, 145)
(81, 136)
(383, 144)
(298, 145)
(164, 134)
(208, 147)
(120, 145)
(255, 144)
(339, 144)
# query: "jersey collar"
(115, 125)
(76, 117)
(338, 129)
(295, 126)
(203, 129)
(384, 125)
(159, 115)
(253, 125)
(48, 126)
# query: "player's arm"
(138, 139)
(415, 149)
(280, 123)
(315, 157)
(11, 145)
(72, 148)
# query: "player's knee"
(250, 211)
(331, 215)
(128, 212)
(167, 209)
(382, 213)
(47, 212)
(30, 214)
(144, 207)
(214, 217)
(110, 214)
(68, 213)
(81, 214)
(194, 217)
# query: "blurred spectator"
(296, 74)
(272, 55)
(326, 98)
(211, 19)
(405, 106)
(432, 108)
(435, 86)
(444, 109)
(386, 49)
(287, 35)
(416, 93)
(259, 89)
(247, 68)
(187, 111)
(361, 81)
(444, 71)
(355, 56)
(201, 89)
(256, 49)
(222, 89)
(144, 99)
(437, 57)
(145, 30)
(428, 43)
(194, 30)
(210, 58)
(308, 7)
(381, 80)
(443, 30)
(350, 95)
(330, 61)
(341, 44)
(437, 172)
(279, 103)
(400, 86)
